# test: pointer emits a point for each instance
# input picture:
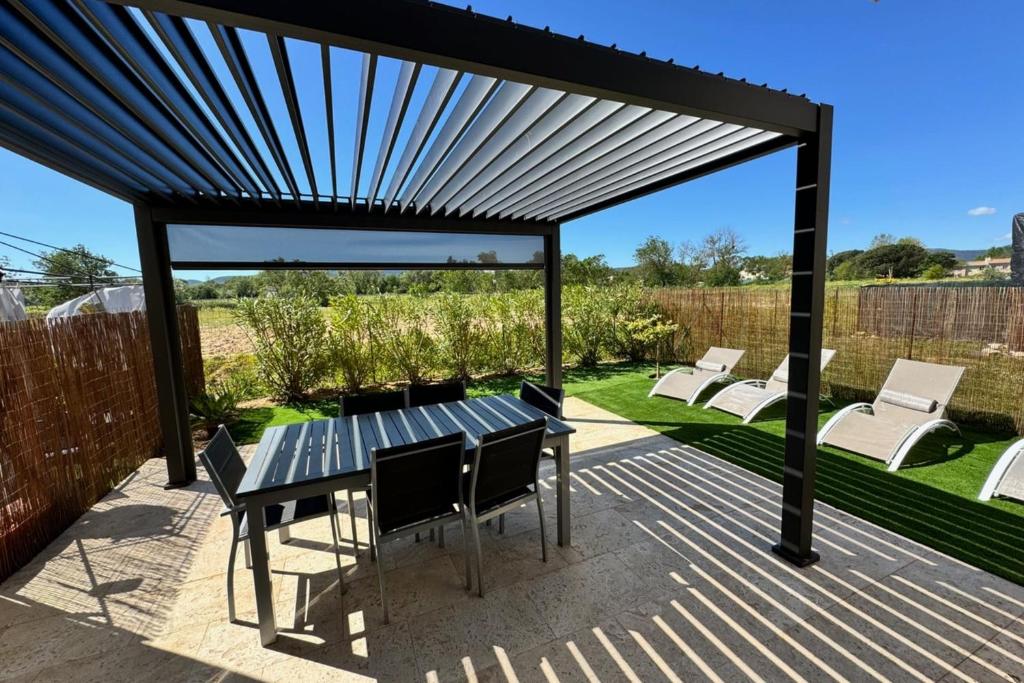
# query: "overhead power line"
(80, 273)
(69, 251)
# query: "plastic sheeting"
(12, 305)
(107, 300)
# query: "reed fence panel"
(980, 328)
(78, 414)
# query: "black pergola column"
(165, 342)
(810, 232)
(553, 308)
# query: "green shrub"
(460, 333)
(401, 332)
(587, 322)
(513, 330)
(239, 372)
(351, 348)
(291, 339)
(216, 406)
(934, 272)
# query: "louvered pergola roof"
(398, 107)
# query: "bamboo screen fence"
(980, 328)
(77, 414)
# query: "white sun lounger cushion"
(781, 376)
(905, 400)
(709, 366)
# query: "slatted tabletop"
(340, 448)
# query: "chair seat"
(280, 515)
(869, 435)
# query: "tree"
(722, 251)
(839, 258)
(655, 264)
(1004, 251)
(946, 260)
(77, 263)
(883, 239)
(769, 268)
(893, 260)
(592, 270)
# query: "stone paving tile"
(669, 577)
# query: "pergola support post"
(553, 308)
(165, 342)
(810, 231)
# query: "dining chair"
(431, 394)
(226, 469)
(361, 404)
(504, 468)
(547, 399)
(413, 488)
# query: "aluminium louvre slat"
(366, 80)
(516, 174)
(662, 137)
(722, 136)
(553, 121)
(404, 87)
(32, 82)
(15, 140)
(45, 59)
(514, 129)
(619, 119)
(441, 90)
(123, 35)
(693, 160)
(46, 117)
(36, 133)
(668, 174)
(237, 61)
(498, 110)
(67, 32)
(325, 67)
(282, 63)
(181, 43)
(673, 145)
(466, 108)
(605, 137)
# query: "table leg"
(261, 575)
(562, 492)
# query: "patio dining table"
(323, 456)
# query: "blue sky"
(929, 116)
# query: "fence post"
(913, 324)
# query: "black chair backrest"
(507, 461)
(360, 404)
(430, 394)
(416, 482)
(224, 465)
(548, 399)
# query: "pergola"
(488, 136)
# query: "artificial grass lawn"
(934, 504)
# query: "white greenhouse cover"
(12, 305)
(107, 300)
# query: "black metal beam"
(810, 233)
(366, 81)
(361, 216)
(325, 65)
(165, 342)
(435, 34)
(748, 154)
(553, 309)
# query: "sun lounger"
(1007, 477)
(749, 397)
(911, 404)
(687, 384)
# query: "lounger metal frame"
(904, 446)
(995, 477)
